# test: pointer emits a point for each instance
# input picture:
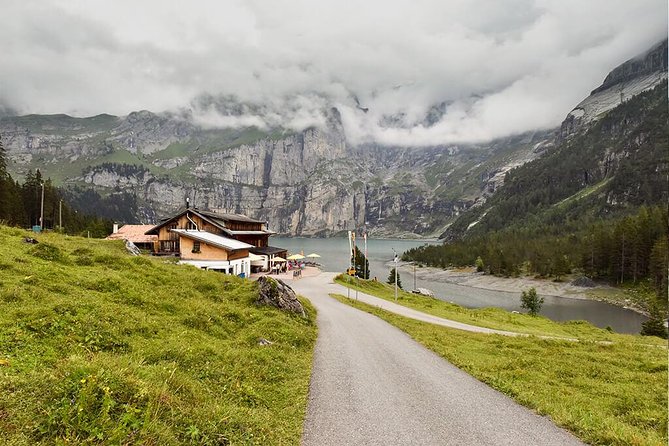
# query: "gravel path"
(373, 385)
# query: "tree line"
(627, 250)
(21, 205)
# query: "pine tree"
(391, 278)
(654, 326)
(361, 264)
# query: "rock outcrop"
(635, 76)
(276, 293)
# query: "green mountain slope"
(617, 165)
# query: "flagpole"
(366, 270)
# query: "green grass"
(494, 317)
(583, 193)
(98, 347)
(613, 394)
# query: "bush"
(48, 252)
(531, 301)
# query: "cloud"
(429, 72)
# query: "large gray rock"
(132, 248)
(277, 293)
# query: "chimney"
(115, 230)
(187, 203)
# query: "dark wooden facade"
(234, 226)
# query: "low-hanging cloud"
(409, 73)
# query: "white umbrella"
(278, 259)
(313, 255)
(296, 257)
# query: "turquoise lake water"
(334, 257)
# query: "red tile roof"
(134, 233)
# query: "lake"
(334, 257)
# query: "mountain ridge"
(308, 183)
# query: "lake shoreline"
(469, 277)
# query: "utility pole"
(41, 212)
(414, 275)
(60, 215)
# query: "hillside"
(99, 347)
(617, 165)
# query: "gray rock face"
(635, 76)
(276, 293)
(652, 61)
(309, 183)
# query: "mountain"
(627, 80)
(309, 183)
(304, 183)
(607, 162)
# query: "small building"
(135, 234)
(170, 235)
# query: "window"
(196, 247)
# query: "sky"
(402, 73)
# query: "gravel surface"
(372, 384)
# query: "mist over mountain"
(313, 179)
(399, 75)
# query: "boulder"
(131, 248)
(276, 293)
(423, 292)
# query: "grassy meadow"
(496, 318)
(99, 347)
(605, 393)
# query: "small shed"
(135, 234)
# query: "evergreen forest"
(21, 205)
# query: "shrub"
(48, 252)
(531, 301)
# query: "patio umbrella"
(278, 259)
(296, 257)
(313, 255)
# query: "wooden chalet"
(201, 236)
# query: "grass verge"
(494, 317)
(614, 394)
(97, 347)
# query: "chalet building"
(238, 244)
(135, 234)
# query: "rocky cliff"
(303, 183)
(307, 183)
(629, 79)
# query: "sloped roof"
(134, 233)
(228, 217)
(213, 239)
(216, 219)
(233, 233)
(267, 250)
